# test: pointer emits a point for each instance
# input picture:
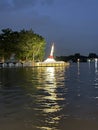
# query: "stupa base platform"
(51, 64)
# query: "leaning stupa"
(50, 61)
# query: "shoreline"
(33, 64)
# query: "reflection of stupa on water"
(50, 61)
(51, 92)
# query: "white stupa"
(51, 59)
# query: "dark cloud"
(47, 2)
(24, 3)
(4, 5)
(71, 24)
(11, 5)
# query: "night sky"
(71, 24)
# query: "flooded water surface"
(49, 98)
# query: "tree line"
(76, 57)
(24, 44)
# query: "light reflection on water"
(49, 98)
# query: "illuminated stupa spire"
(52, 51)
(51, 58)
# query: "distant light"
(96, 59)
(78, 60)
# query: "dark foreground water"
(49, 98)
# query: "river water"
(49, 98)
